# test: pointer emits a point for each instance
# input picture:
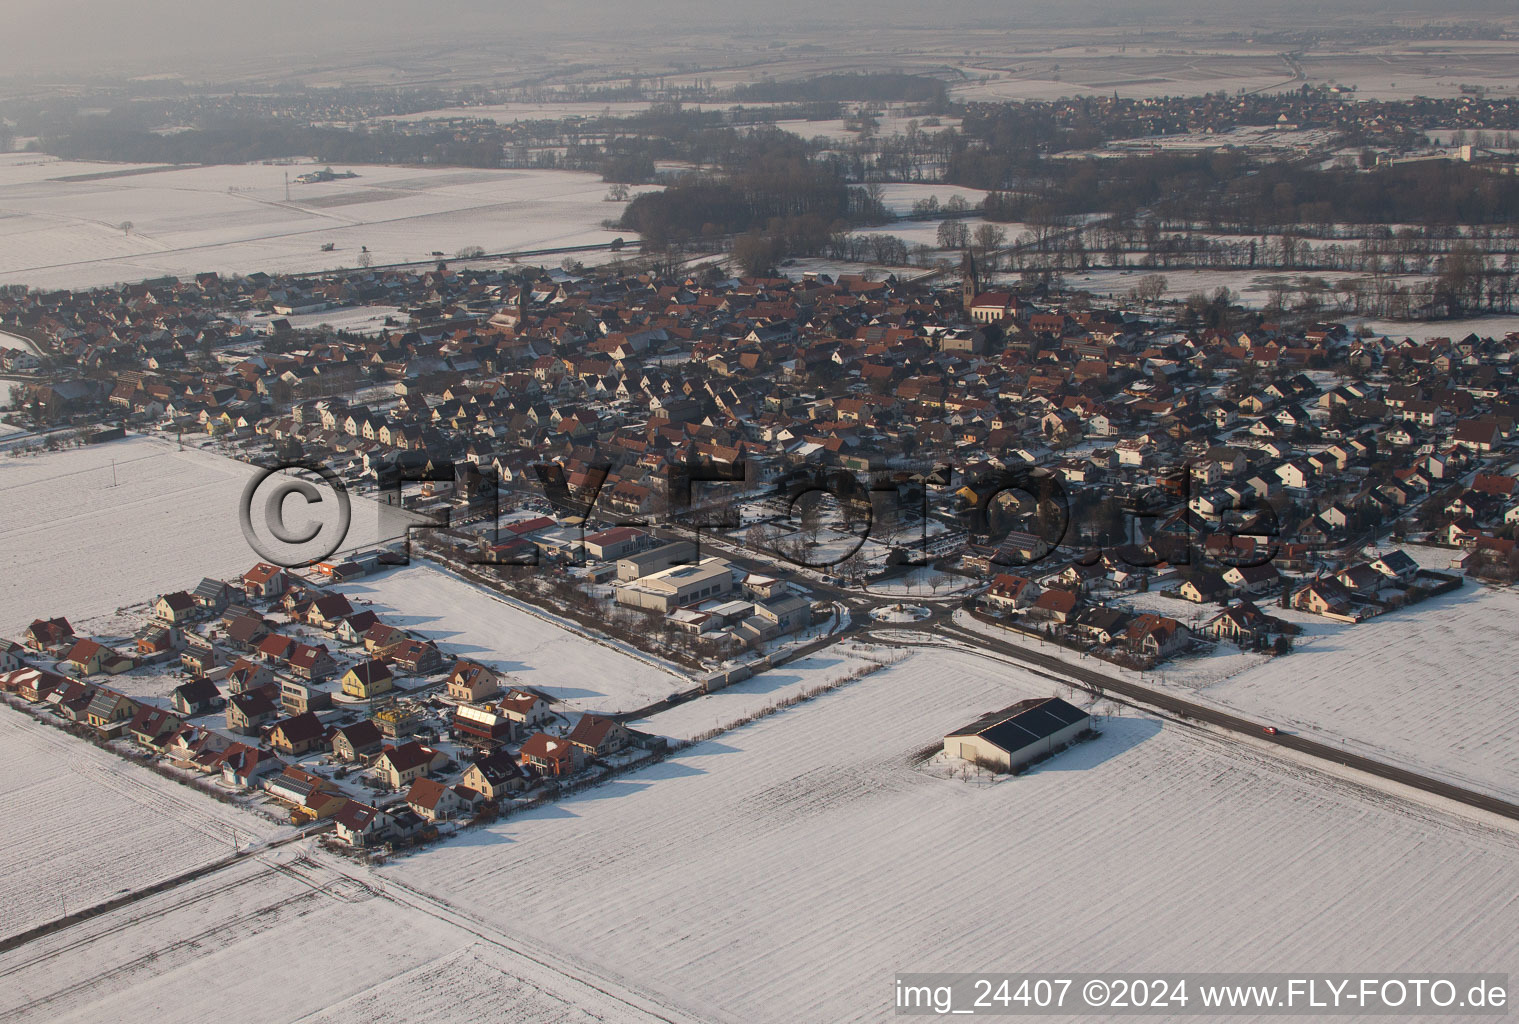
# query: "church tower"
(970, 283)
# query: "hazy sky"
(146, 35)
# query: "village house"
(243, 765)
(527, 709)
(361, 825)
(595, 736)
(250, 711)
(400, 766)
(297, 696)
(1244, 624)
(176, 608)
(244, 675)
(311, 663)
(551, 756)
(264, 582)
(1156, 636)
(472, 683)
(86, 658)
(434, 801)
(197, 697)
(1055, 604)
(1010, 593)
(367, 679)
(358, 741)
(152, 727)
(48, 636)
(297, 734)
(494, 776)
(109, 713)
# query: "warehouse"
(1016, 735)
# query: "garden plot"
(76, 225)
(82, 824)
(547, 654)
(809, 847)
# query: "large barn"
(1016, 735)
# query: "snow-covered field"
(1484, 326)
(808, 847)
(836, 664)
(1432, 687)
(81, 824)
(471, 622)
(56, 232)
(1253, 286)
(786, 870)
(836, 130)
(74, 543)
(898, 196)
(506, 113)
(291, 936)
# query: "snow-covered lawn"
(82, 824)
(808, 847)
(59, 233)
(468, 621)
(74, 543)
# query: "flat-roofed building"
(678, 586)
(645, 563)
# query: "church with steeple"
(970, 281)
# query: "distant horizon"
(80, 39)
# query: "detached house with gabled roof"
(360, 824)
(297, 734)
(109, 713)
(264, 582)
(550, 755)
(525, 708)
(87, 657)
(49, 635)
(367, 679)
(1157, 636)
(249, 712)
(471, 682)
(434, 801)
(357, 741)
(495, 776)
(1012, 592)
(403, 765)
(596, 736)
(312, 663)
(196, 697)
(176, 608)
